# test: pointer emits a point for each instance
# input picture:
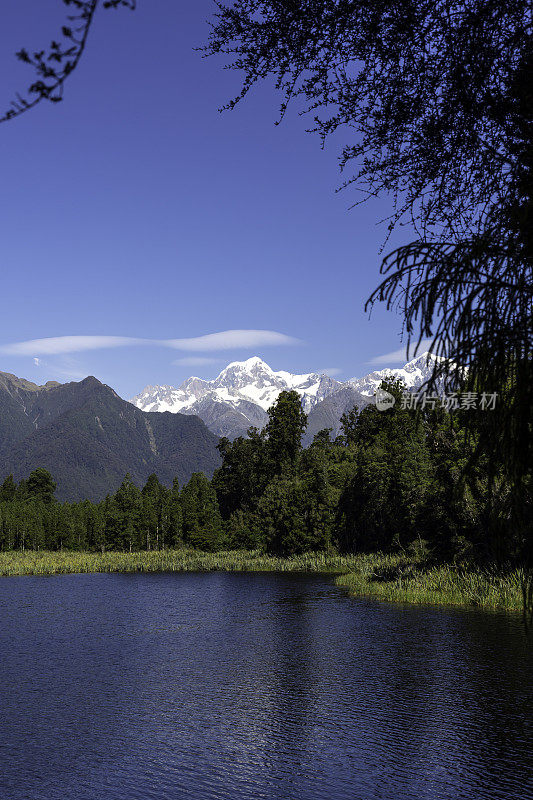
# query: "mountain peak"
(246, 389)
(423, 360)
(242, 393)
(90, 380)
(413, 374)
(250, 365)
(7, 378)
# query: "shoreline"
(386, 577)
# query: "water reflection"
(238, 686)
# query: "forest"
(393, 481)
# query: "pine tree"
(202, 523)
(40, 486)
(175, 516)
(152, 512)
(8, 490)
(127, 501)
(286, 425)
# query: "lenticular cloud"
(224, 340)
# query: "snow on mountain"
(168, 398)
(247, 387)
(255, 381)
(414, 374)
(244, 391)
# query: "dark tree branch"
(53, 67)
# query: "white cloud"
(195, 361)
(228, 340)
(331, 371)
(224, 340)
(36, 361)
(66, 344)
(400, 356)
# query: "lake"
(264, 686)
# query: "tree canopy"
(434, 99)
(390, 481)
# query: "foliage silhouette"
(54, 65)
(436, 101)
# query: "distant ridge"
(414, 374)
(89, 438)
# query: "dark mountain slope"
(327, 414)
(223, 420)
(88, 438)
(16, 399)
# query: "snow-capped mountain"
(413, 374)
(246, 388)
(244, 391)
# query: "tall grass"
(438, 585)
(389, 577)
(56, 563)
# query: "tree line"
(391, 480)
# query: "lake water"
(256, 686)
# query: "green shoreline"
(391, 578)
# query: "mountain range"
(89, 438)
(244, 391)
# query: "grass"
(414, 582)
(56, 563)
(393, 578)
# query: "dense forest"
(393, 480)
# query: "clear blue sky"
(135, 209)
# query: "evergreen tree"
(391, 477)
(241, 479)
(152, 514)
(8, 490)
(40, 486)
(243, 531)
(175, 516)
(284, 517)
(286, 426)
(127, 503)
(202, 523)
(65, 527)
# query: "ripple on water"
(236, 686)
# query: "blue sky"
(135, 210)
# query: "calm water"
(133, 687)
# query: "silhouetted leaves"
(53, 66)
(435, 100)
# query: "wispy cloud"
(228, 340)
(224, 340)
(58, 345)
(400, 356)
